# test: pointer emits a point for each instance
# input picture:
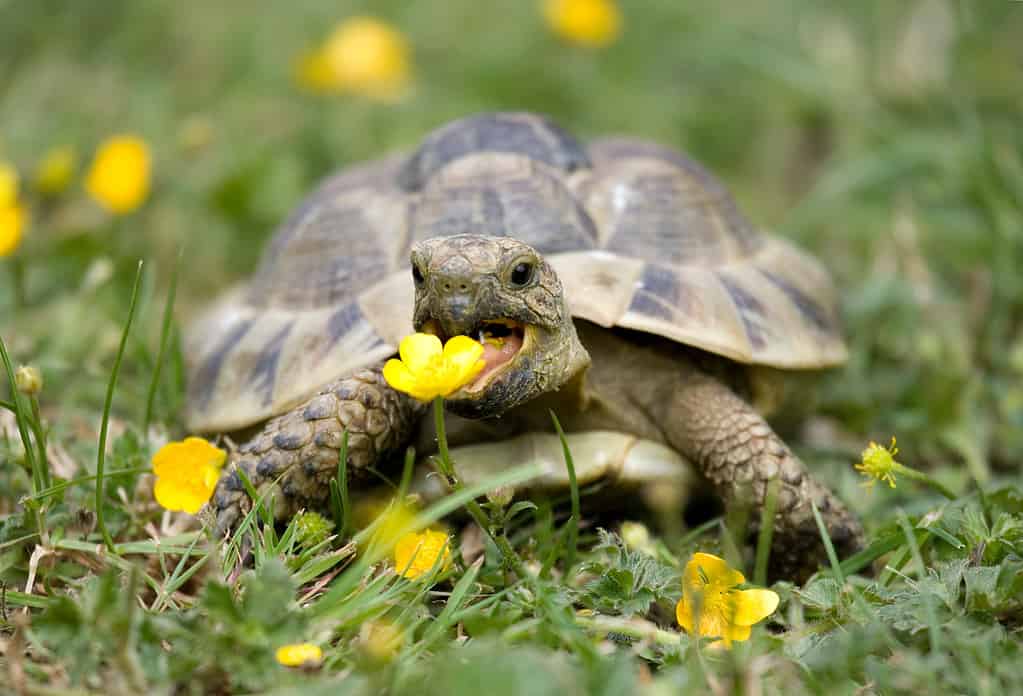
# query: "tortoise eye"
(522, 273)
(417, 275)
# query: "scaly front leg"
(739, 453)
(299, 450)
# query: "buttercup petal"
(210, 475)
(713, 624)
(167, 494)
(684, 615)
(734, 632)
(416, 554)
(751, 606)
(186, 474)
(463, 354)
(298, 654)
(12, 226)
(716, 570)
(462, 350)
(399, 376)
(419, 350)
(191, 501)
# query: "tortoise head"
(503, 293)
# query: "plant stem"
(573, 523)
(766, 532)
(447, 469)
(40, 433)
(165, 330)
(632, 628)
(101, 454)
(836, 567)
(925, 479)
(22, 420)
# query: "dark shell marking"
(535, 137)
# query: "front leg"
(299, 450)
(739, 454)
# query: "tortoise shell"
(641, 236)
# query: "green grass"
(882, 136)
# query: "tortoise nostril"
(463, 287)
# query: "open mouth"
(502, 340)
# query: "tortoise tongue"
(497, 353)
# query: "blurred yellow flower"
(8, 185)
(13, 219)
(55, 170)
(426, 370)
(591, 23)
(314, 72)
(711, 604)
(119, 178)
(381, 639)
(878, 464)
(391, 524)
(368, 57)
(299, 655)
(186, 473)
(416, 554)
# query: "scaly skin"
(739, 453)
(301, 447)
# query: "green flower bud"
(28, 380)
(311, 528)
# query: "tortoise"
(627, 290)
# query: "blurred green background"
(884, 136)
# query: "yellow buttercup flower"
(13, 220)
(591, 23)
(9, 184)
(55, 170)
(711, 604)
(392, 524)
(299, 655)
(119, 178)
(426, 370)
(314, 72)
(416, 554)
(878, 464)
(367, 57)
(186, 473)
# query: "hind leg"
(296, 454)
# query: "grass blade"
(165, 330)
(932, 617)
(766, 534)
(406, 472)
(21, 419)
(104, 424)
(573, 522)
(836, 567)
